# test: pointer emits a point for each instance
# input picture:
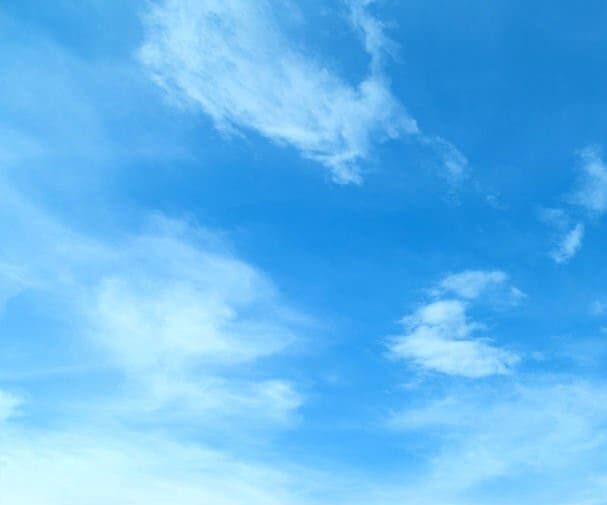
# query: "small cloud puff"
(591, 193)
(440, 336)
(171, 309)
(231, 60)
(471, 284)
(521, 432)
(569, 236)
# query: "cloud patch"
(591, 193)
(49, 468)
(232, 60)
(441, 337)
(587, 201)
(569, 245)
(170, 309)
(9, 405)
(541, 438)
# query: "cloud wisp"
(179, 326)
(591, 192)
(170, 308)
(177, 316)
(80, 466)
(532, 439)
(441, 337)
(232, 60)
(588, 200)
(569, 245)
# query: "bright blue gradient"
(205, 311)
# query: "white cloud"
(173, 298)
(171, 309)
(544, 439)
(569, 236)
(570, 244)
(179, 317)
(440, 336)
(472, 283)
(592, 189)
(555, 217)
(179, 325)
(451, 158)
(233, 61)
(590, 196)
(372, 30)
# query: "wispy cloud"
(591, 193)
(569, 245)
(171, 308)
(376, 43)
(588, 201)
(232, 60)
(568, 237)
(176, 316)
(179, 325)
(9, 405)
(470, 284)
(451, 158)
(47, 468)
(502, 439)
(441, 337)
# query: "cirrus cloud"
(232, 60)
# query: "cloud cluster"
(233, 61)
(441, 337)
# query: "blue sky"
(303, 253)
